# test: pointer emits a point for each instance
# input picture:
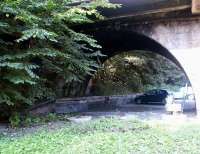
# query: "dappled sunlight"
(135, 60)
(136, 71)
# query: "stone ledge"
(84, 104)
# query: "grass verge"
(105, 136)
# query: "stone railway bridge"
(167, 27)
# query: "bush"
(15, 120)
(40, 52)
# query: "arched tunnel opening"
(143, 70)
(119, 42)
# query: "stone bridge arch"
(176, 41)
(114, 42)
(177, 38)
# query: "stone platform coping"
(96, 97)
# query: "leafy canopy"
(135, 72)
(38, 46)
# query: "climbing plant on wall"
(38, 47)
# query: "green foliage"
(15, 120)
(138, 71)
(30, 120)
(39, 47)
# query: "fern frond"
(38, 33)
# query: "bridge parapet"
(139, 7)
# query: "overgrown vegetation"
(107, 136)
(17, 120)
(40, 53)
(137, 71)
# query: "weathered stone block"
(71, 107)
(196, 6)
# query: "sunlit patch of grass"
(107, 136)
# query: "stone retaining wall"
(98, 103)
(43, 108)
(84, 104)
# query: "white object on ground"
(80, 119)
(174, 108)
